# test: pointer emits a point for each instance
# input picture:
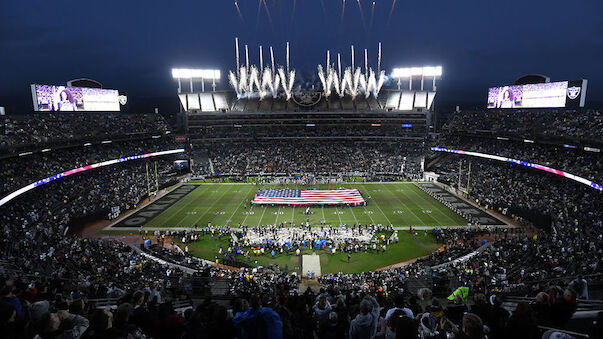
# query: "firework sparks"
(239, 12)
(361, 14)
(391, 11)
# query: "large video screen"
(69, 99)
(543, 95)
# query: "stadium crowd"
(269, 131)
(585, 125)
(316, 157)
(575, 161)
(20, 171)
(43, 128)
(49, 278)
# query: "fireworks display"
(251, 81)
(352, 81)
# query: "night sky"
(132, 45)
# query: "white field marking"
(323, 214)
(212, 205)
(401, 215)
(336, 210)
(193, 200)
(278, 212)
(410, 210)
(386, 218)
(292, 214)
(241, 203)
(353, 214)
(262, 217)
(420, 195)
(369, 214)
(250, 212)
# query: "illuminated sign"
(72, 99)
(545, 95)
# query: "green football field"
(404, 250)
(399, 204)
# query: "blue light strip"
(523, 163)
(82, 169)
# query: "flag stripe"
(340, 196)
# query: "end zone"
(153, 209)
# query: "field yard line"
(353, 214)
(262, 217)
(432, 218)
(409, 209)
(235, 211)
(191, 195)
(365, 210)
(324, 219)
(277, 213)
(438, 209)
(292, 215)
(337, 211)
(386, 218)
(212, 205)
(251, 209)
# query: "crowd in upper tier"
(45, 128)
(17, 172)
(575, 161)
(586, 125)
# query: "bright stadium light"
(416, 71)
(192, 74)
(431, 71)
(187, 73)
(401, 73)
(410, 72)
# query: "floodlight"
(432, 71)
(416, 71)
(426, 71)
(401, 73)
(186, 73)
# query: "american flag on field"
(291, 196)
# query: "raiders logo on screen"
(573, 92)
(122, 99)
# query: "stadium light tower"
(192, 74)
(435, 72)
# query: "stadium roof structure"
(309, 101)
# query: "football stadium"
(302, 169)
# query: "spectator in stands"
(472, 327)
(61, 324)
(522, 323)
(322, 310)
(258, 322)
(364, 325)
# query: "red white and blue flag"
(290, 196)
